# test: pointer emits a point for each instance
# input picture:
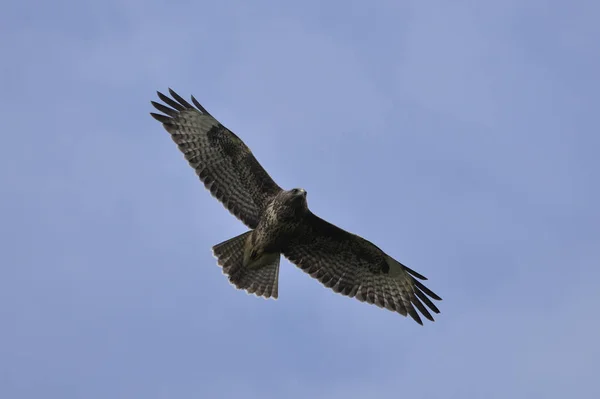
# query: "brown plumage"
(281, 223)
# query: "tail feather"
(260, 281)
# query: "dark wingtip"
(178, 102)
(172, 103)
(156, 105)
(180, 99)
(422, 308)
(165, 110)
(414, 273)
(413, 313)
(199, 106)
(427, 290)
(426, 300)
(161, 118)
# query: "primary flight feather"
(281, 223)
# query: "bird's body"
(280, 222)
(278, 226)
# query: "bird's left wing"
(223, 162)
(353, 266)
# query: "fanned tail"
(261, 281)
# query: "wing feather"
(221, 160)
(354, 267)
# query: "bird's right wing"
(223, 162)
(355, 267)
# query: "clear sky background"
(460, 137)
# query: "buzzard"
(281, 223)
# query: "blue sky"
(462, 139)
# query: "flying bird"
(281, 223)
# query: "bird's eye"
(295, 191)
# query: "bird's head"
(296, 199)
(297, 194)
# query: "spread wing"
(353, 266)
(223, 162)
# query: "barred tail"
(261, 280)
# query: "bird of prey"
(281, 223)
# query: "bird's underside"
(280, 223)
